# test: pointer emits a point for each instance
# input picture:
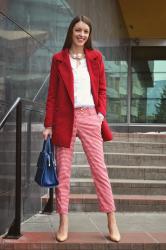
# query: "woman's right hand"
(47, 132)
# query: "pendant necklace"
(77, 57)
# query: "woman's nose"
(82, 33)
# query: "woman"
(76, 106)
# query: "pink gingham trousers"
(87, 126)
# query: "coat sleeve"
(102, 87)
(50, 102)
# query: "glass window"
(148, 102)
(116, 74)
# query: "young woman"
(76, 106)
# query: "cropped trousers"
(87, 126)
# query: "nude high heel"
(62, 233)
(61, 238)
(114, 234)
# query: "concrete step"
(121, 186)
(10, 137)
(130, 147)
(110, 147)
(86, 241)
(36, 145)
(87, 231)
(7, 182)
(126, 159)
(127, 146)
(124, 203)
(115, 172)
(140, 137)
(86, 185)
(126, 137)
(9, 156)
(124, 172)
(8, 168)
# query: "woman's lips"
(80, 39)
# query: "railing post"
(49, 206)
(14, 230)
(28, 159)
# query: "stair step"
(89, 231)
(130, 147)
(124, 172)
(8, 168)
(86, 241)
(125, 137)
(115, 172)
(36, 145)
(125, 159)
(121, 186)
(86, 185)
(4, 156)
(124, 203)
(110, 147)
(140, 137)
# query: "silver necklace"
(77, 56)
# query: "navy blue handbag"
(46, 175)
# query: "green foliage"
(160, 116)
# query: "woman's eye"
(80, 30)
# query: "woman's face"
(80, 34)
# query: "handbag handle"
(48, 146)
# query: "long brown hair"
(68, 40)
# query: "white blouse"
(82, 87)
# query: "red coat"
(60, 99)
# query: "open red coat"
(60, 99)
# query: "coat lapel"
(66, 73)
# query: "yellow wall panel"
(144, 18)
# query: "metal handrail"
(38, 41)
(23, 29)
(14, 105)
(14, 230)
(9, 112)
(43, 84)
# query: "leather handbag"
(46, 175)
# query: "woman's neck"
(77, 50)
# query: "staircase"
(137, 169)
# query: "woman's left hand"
(101, 116)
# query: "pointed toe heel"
(114, 239)
(61, 238)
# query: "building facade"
(31, 31)
(132, 41)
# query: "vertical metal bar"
(18, 166)
(14, 230)
(49, 205)
(129, 85)
(28, 157)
